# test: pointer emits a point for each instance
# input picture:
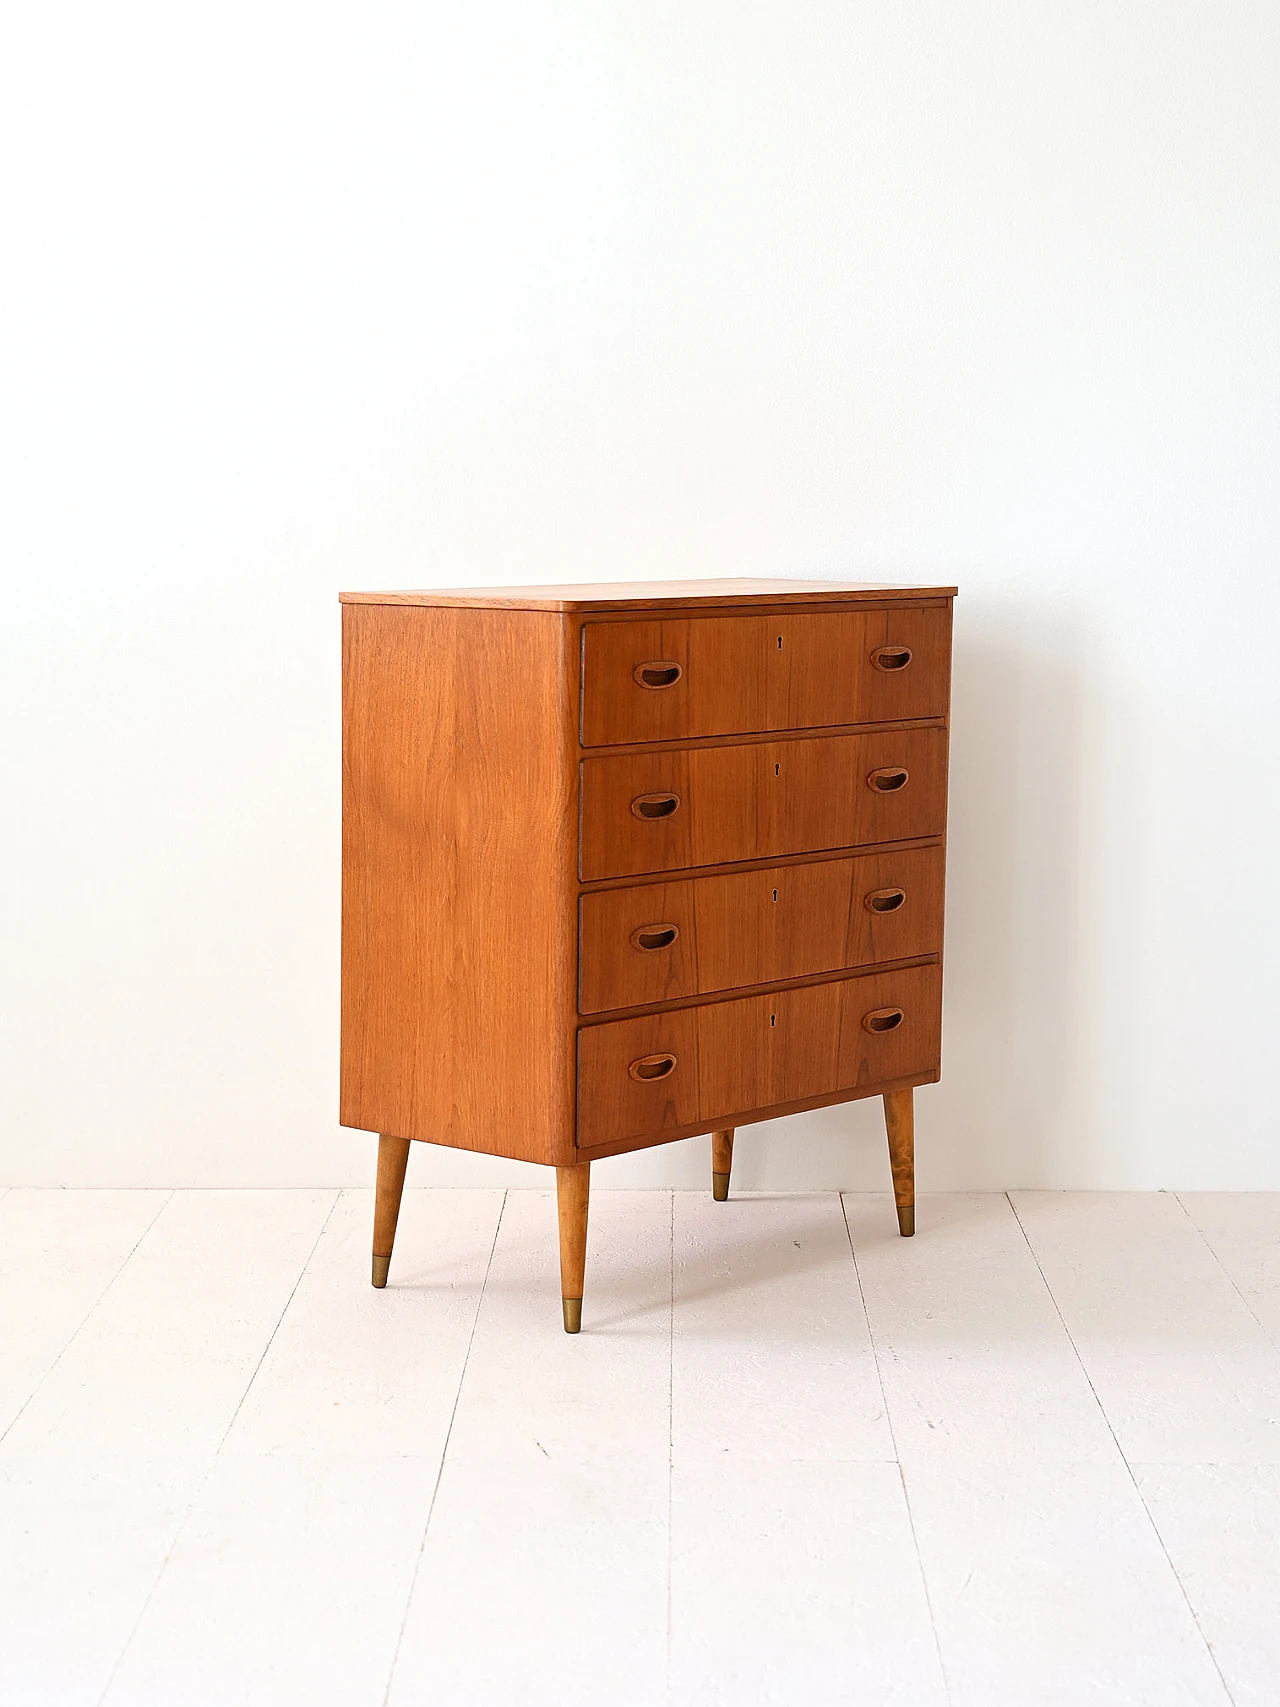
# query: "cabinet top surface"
(653, 595)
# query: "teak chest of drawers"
(626, 863)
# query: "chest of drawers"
(629, 863)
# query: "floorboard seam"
(79, 1327)
(444, 1453)
(213, 1459)
(1102, 1411)
(902, 1480)
(1200, 1234)
(324, 1227)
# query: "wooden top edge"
(650, 595)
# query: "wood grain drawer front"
(683, 678)
(662, 941)
(640, 1078)
(715, 805)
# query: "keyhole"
(779, 643)
(777, 770)
(775, 894)
(773, 1019)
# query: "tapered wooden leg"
(721, 1163)
(573, 1188)
(899, 1120)
(393, 1159)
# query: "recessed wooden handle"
(882, 1019)
(655, 805)
(649, 937)
(652, 1067)
(891, 657)
(661, 673)
(884, 900)
(888, 778)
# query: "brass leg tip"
(380, 1267)
(720, 1187)
(906, 1219)
(572, 1315)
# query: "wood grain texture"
(648, 595)
(573, 1193)
(738, 674)
(899, 1120)
(393, 1159)
(759, 799)
(757, 927)
(459, 902)
(721, 1163)
(753, 1052)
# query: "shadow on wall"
(1018, 1100)
(1013, 943)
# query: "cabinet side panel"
(458, 906)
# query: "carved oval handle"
(882, 1019)
(891, 657)
(652, 1067)
(884, 900)
(661, 673)
(888, 778)
(655, 805)
(654, 936)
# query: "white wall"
(299, 298)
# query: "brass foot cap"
(720, 1187)
(906, 1219)
(380, 1267)
(572, 1315)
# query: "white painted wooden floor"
(1031, 1456)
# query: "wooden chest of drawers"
(626, 863)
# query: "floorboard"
(1031, 1456)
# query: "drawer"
(727, 675)
(756, 800)
(661, 941)
(700, 1067)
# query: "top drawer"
(673, 679)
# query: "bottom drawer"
(641, 1078)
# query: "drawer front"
(640, 1078)
(661, 941)
(713, 805)
(679, 679)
